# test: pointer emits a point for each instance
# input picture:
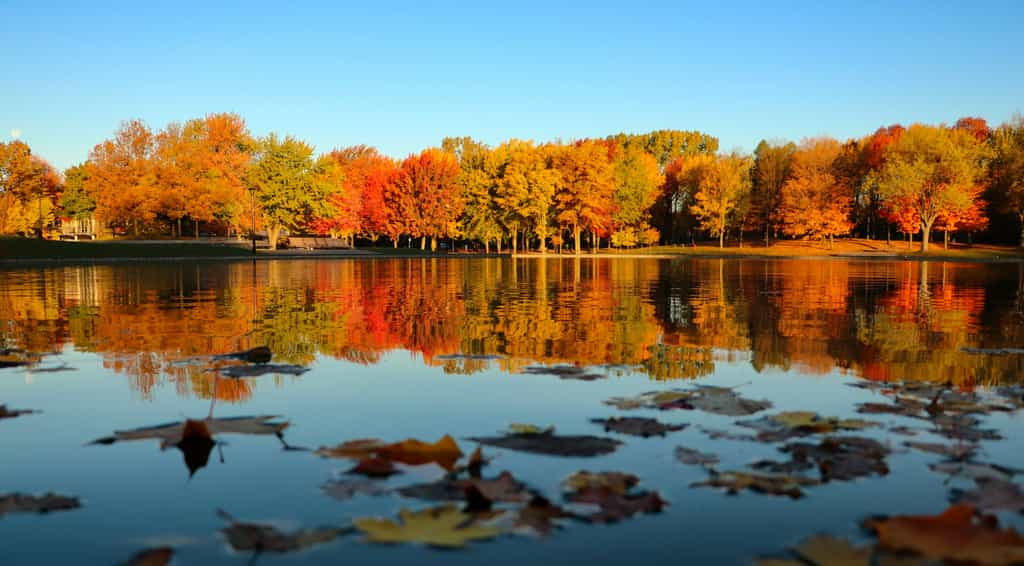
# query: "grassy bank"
(847, 248)
(27, 248)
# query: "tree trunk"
(945, 241)
(576, 237)
(497, 244)
(487, 246)
(721, 239)
(196, 224)
(423, 242)
(394, 242)
(178, 235)
(273, 233)
(541, 245)
(766, 228)
(515, 241)
(926, 229)
(433, 244)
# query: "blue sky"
(402, 75)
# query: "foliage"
(815, 203)
(931, 171)
(723, 184)
(290, 192)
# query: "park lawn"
(29, 248)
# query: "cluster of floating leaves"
(468, 505)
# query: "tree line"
(625, 190)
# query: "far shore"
(24, 251)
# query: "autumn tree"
(121, 176)
(428, 195)
(772, 165)
(666, 146)
(481, 217)
(934, 170)
(366, 174)
(638, 181)
(815, 201)
(723, 184)
(585, 199)
(525, 188)
(1008, 170)
(341, 219)
(289, 190)
(28, 189)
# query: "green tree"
(289, 192)
(933, 170)
(1008, 169)
(75, 201)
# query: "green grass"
(28, 248)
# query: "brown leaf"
(841, 458)
(539, 516)
(152, 557)
(615, 482)
(616, 506)
(954, 451)
(955, 535)
(692, 457)
(6, 413)
(735, 482)
(638, 426)
(375, 468)
(553, 445)
(254, 537)
(505, 489)
(992, 495)
(46, 503)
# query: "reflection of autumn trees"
(669, 319)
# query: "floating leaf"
(974, 470)
(260, 370)
(791, 424)
(615, 482)
(152, 557)
(505, 488)
(194, 438)
(440, 526)
(523, 428)
(6, 413)
(617, 506)
(564, 372)
(826, 550)
(841, 458)
(638, 426)
(955, 535)
(992, 495)
(257, 355)
(552, 445)
(692, 457)
(735, 482)
(445, 452)
(707, 398)
(954, 451)
(345, 489)
(46, 503)
(719, 434)
(255, 537)
(539, 516)
(375, 468)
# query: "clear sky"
(402, 75)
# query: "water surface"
(421, 348)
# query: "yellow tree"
(723, 184)
(815, 201)
(121, 176)
(933, 170)
(584, 201)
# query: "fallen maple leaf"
(615, 482)
(735, 482)
(957, 535)
(152, 557)
(638, 426)
(552, 445)
(692, 457)
(255, 537)
(444, 526)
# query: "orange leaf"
(955, 535)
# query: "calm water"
(426, 347)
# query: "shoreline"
(364, 254)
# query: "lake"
(499, 350)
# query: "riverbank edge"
(374, 255)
